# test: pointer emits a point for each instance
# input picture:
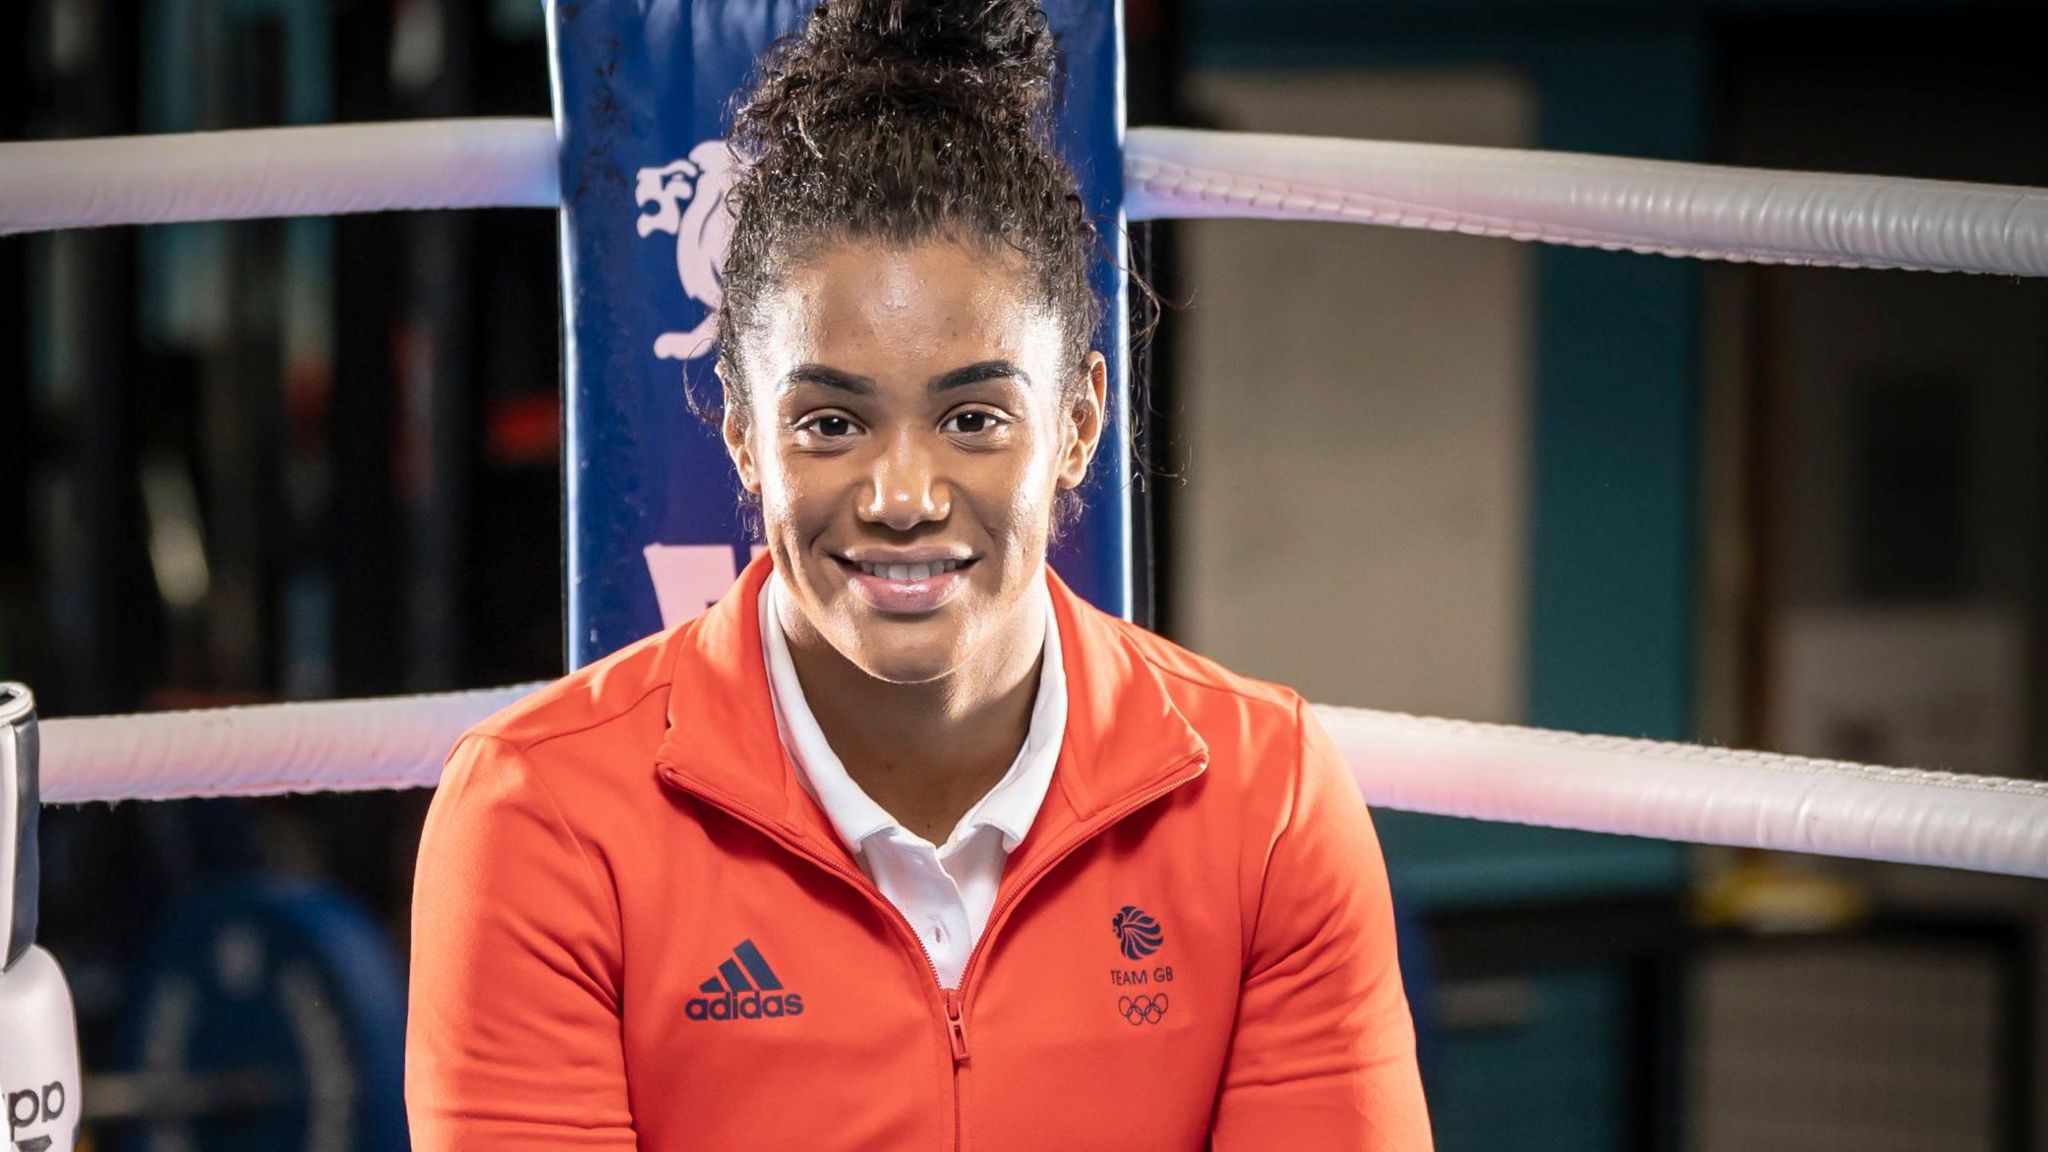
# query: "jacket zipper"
(954, 999)
(956, 1028)
(957, 998)
(1001, 911)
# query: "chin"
(907, 660)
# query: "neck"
(940, 744)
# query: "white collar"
(1010, 806)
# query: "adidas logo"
(744, 989)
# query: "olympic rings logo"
(1142, 1009)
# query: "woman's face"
(911, 425)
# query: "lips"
(906, 589)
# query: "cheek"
(794, 491)
(1016, 497)
(1029, 499)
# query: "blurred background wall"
(1781, 508)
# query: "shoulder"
(591, 725)
(1199, 674)
(1247, 722)
(1276, 788)
(588, 701)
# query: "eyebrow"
(859, 385)
(975, 374)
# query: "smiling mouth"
(906, 572)
(906, 590)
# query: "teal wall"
(1613, 525)
(1548, 1082)
(1611, 488)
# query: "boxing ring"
(637, 563)
(1491, 772)
(1441, 767)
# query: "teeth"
(909, 571)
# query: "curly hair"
(906, 121)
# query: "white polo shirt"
(946, 891)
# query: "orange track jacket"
(634, 928)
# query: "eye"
(828, 426)
(972, 421)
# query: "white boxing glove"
(38, 1029)
(38, 1056)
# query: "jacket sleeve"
(1323, 1056)
(513, 1026)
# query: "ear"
(1085, 418)
(738, 445)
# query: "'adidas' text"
(746, 988)
(744, 1006)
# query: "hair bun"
(872, 58)
(1006, 43)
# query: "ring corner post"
(652, 528)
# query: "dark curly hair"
(904, 121)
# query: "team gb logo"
(687, 198)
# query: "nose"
(904, 488)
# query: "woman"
(902, 845)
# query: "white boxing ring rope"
(360, 745)
(1443, 767)
(1491, 772)
(1648, 206)
(320, 170)
(1675, 209)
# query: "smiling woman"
(902, 827)
(916, 411)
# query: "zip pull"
(956, 1026)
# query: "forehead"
(871, 308)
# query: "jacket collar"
(1124, 737)
(1010, 807)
